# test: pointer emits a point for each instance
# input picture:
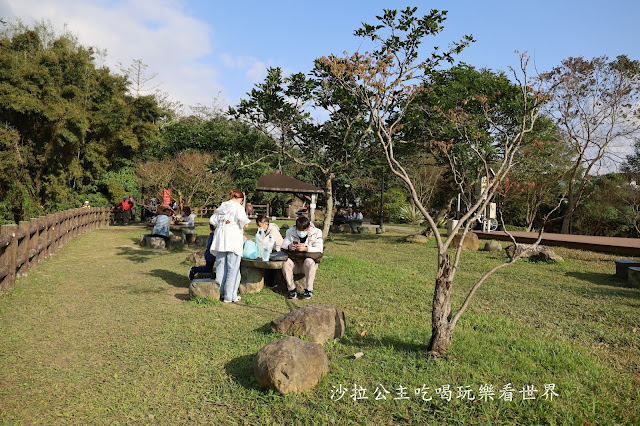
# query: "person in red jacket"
(126, 206)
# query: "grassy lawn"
(103, 333)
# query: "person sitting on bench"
(302, 238)
(208, 258)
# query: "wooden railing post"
(33, 243)
(8, 250)
(22, 261)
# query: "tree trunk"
(328, 213)
(441, 330)
(566, 221)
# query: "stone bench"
(633, 278)
(252, 275)
(152, 242)
(623, 265)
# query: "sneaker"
(237, 299)
(192, 274)
(292, 294)
(307, 294)
(221, 298)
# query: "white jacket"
(274, 231)
(229, 220)
(314, 239)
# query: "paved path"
(629, 246)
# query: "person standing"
(230, 220)
(126, 206)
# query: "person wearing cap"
(86, 205)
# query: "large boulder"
(319, 323)
(416, 238)
(290, 365)
(470, 241)
(493, 246)
(197, 258)
(537, 254)
(364, 230)
(205, 288)
(152, 242)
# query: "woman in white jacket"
(230, 220)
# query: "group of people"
(226, 241)
(125, 210)
(165, 216)
(351, 215)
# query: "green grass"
(103, 333)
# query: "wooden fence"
(24, 246)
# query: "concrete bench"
(252, 275)
(152, 242)
(623, 265)
(633, 276)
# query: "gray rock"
(290, 365)
(536, 254)
(365, 230)
(417, 238)
(379, 230)
(470, 241)
(197, 258)
(633, 277)
(251, 279)
(206, 288)
(493, 246)
(152, 242)
(545, 255)
(320, 323)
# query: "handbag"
(250, 250)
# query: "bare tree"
(386, 82)
(140, 82)
(188, 176)
(596, 103)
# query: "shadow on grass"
(138, 254)
(408, 348)
(171, 278)
(265, 329)
(602, 279)
(241, 371)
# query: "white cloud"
(255, 69)
(159, 32)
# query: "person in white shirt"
(230, 220)
(270, 229)
(188, 220)
(304, 237)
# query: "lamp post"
(382, 204)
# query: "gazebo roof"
(277, 182)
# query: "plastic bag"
(265, 244)
(250, 250)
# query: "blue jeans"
(228, 274)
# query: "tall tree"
(386, 82)
(596, 103)
(66, 121)
(281, 108)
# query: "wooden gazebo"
(277, 182)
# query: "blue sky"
(207, 49)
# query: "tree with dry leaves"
(189, 177)
(596, 103)
(387, 81)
